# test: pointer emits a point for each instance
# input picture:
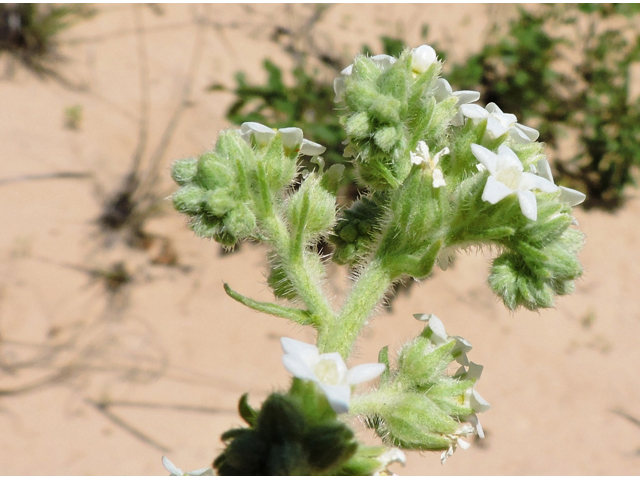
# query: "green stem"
(300, 272)
(367, 292)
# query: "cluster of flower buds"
(224, 191)
(421, 405)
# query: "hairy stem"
(367, 292)
(300, 272)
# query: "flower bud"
(184, 171)
(422, 58)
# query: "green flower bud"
(189, 199)
(311, 210)
(355, 232)
(184, 171)
(219, 202)
(214, 171)
(240, 222)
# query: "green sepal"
(383, 357)
(246, 411)
(418, 265)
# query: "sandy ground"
(101, 383)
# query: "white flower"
(439, 337)
(176, 472)
(394, 455)
(507, 176)
(260, 132)
(422, 58)
(444, 91)
(292, 138)
(339, 83)
(327, 370)
(569, 195)
(499, 123)
(422, 157)
(456, 442)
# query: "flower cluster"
(439, 172)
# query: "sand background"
(100, 383)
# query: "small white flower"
(176, 472)
(292, 138)
(439, 337)
(507, 176)
(444, 91)
(568, 195)
(327, 370)
(422, 157)
(457, 441)
(339, 83)
(394, 455)
(499, 123)
(475, 401)
(260, 132)
(422, 58)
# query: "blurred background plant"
(29, 32)
(563, 69)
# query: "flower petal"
(337, 360)
(528, 203)
(439, 155)
(260, 132)
(439, 335)
(383, 61)
(509, 158)
(466, 96)
(338, 396)
(495, 128)
(171, 468)
(494, 191)
(298, 348)
(297, 367)
(477, 403)
(291, 136)
(485, 156)
(462, 345)
(529, 181)
(422, 58)
(474, 111)
(474, 371)
(518, 135)
(571, 196)
(531, 133)
(311, 148)
(473, 419)
(202, 472)
(493, 108)
(364, 373)
(544, 169)
(443, 90)
(463, 444)
(393, 455)
(438, 178)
